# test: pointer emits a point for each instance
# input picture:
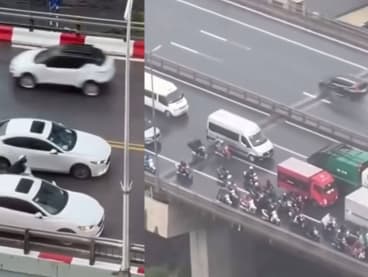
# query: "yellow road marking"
(122, 143)
(130, 147)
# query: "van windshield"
(174, 97)
(258, 139)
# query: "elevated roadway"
(232, 43)
(103, 116)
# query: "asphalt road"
(102, 116)
(289, 141)
(259, 54)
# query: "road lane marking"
(158, 47)
(213, 35)
(28, 47)
(326, 101)
(309, 94)
(132, 148)
(122, 143)
(211, 93)
(296, 26)
(310, 131)
(239, 45)
(273, 34)
(290, 151)
(186, 48)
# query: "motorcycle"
(20, 167)
(224, 176)
(222, 150)
(271, 217)
(149, 164)
(184, 173)
(198, 149)
(312, 233)
(329, 225)
(223, 196)
(247, 204)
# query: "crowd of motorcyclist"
(261, 199)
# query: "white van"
(242, 135)
(168, 99)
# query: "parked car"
(50, 146)
(345, 85)
(81, 66)
(151, 133)
(33, 203)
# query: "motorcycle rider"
(223, 172)
(299, 220)
(328, 222)
(183, 167)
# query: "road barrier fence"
(102, 249)
(253, 99)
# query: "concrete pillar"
(210, 251)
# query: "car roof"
(30, 127)
(79, 50)
(19, 186)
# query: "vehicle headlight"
(86, 228)
(98, 162)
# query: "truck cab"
(307, 180)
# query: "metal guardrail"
(93, 249)
(72, 23)
(258, 227)
(260, 102)
(311, 20)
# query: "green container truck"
(348, 165)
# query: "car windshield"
(326, 189)
(51, 198)
(43, 56)
(174, 97)
(258, 139)
(63, 137)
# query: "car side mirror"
(53, 151)
(38, 215)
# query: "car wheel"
(167, 114)
(91, 88)
(251, 158)
(4, 165)
(81, 171)
(27, 81)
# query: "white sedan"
(33, 203)
(50, 146)
(81, 66)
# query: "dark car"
(345, 85)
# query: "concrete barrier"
(6, 33)
(36, 38)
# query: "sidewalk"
(334, 8)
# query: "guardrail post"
(92, 254)
(26, 246)
(31, 24)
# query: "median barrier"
(311, 21)
(42, 38)
(253, 99)
(274, 234)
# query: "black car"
(344, 85)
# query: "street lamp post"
(126, 185)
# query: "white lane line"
(213, 35)
(290, 151)
(297, 26)
(211, 93)
(309, 94)
(195, 52)
(184, 47)
(326, 101)
(158, 47)
(310, 131)
(113, 56)
(273, 34)
(239, 45)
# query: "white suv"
(81, 66)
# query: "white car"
(81, 66)
(33, 203)
(151, 133)
(50, 146)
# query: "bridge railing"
(69, 23)
(253, 99)
(103, 249)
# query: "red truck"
(308, 180)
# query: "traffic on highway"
(61, 140)
(241, 156)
